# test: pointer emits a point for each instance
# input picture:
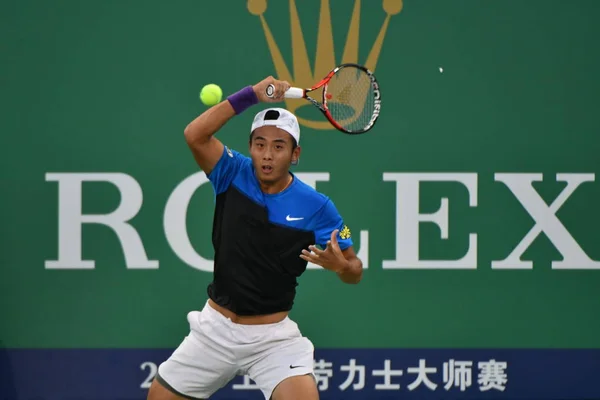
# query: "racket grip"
(294, 93)
(291, 93)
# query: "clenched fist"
(280, 88)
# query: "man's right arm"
(207, 149)
(199, 134)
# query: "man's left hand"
(331, 258)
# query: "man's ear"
(296, 155)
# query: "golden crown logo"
(345, 232)
(325, 56)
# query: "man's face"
(272, 151)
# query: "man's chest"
(264, 225)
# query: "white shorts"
(217, 350)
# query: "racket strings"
(351, 98)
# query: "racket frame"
(299, 93)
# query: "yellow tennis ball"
(211, 94)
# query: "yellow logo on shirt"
(345, 232)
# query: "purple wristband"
(243, 99)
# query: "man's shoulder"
(310, 199)
(242, 162)
(309, 192)
(318, 206)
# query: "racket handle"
(291, 93)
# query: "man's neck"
(278, 186)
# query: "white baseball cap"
(279, 117)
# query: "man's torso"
(258, 238)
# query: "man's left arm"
(344, 263)
(334, 237)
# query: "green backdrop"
(107, 87)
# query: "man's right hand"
(280, 88)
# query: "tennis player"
(266, 225)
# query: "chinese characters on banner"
(462, 375)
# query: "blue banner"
(110, 374)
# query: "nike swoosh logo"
(295, 366)
(288, 218)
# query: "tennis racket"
(350, 100)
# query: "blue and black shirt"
(258, 237)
